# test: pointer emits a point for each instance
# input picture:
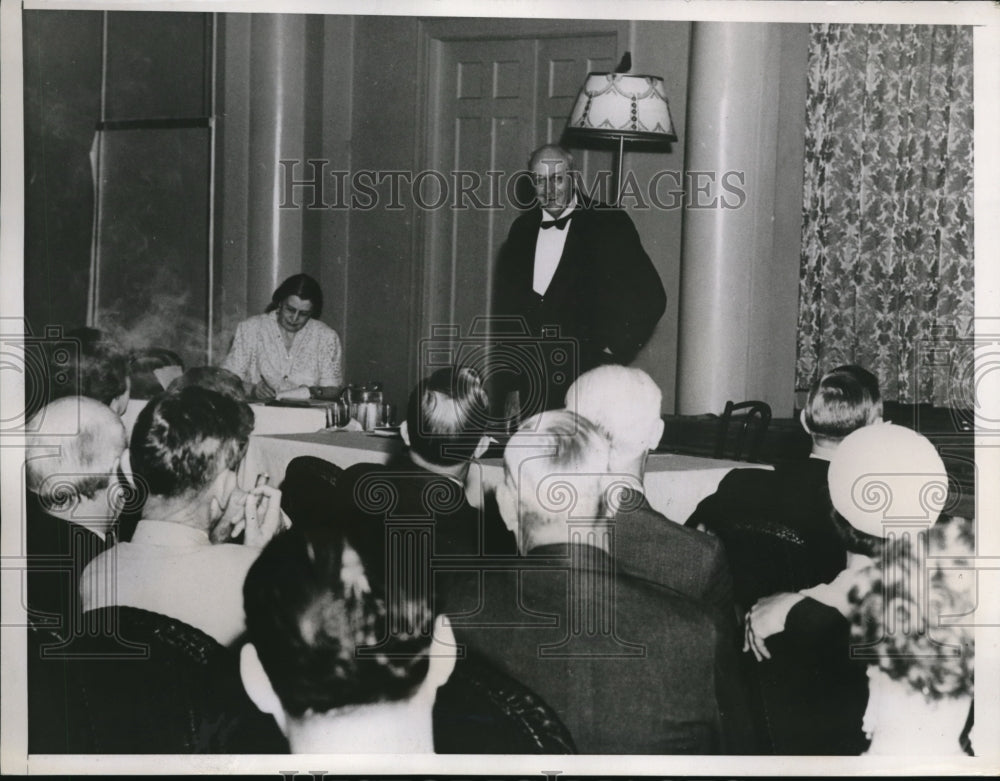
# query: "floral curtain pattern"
(886, 278)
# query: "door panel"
(484, 125)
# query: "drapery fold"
(886, 277)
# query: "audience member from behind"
(794, 497)
(185, 450)
(647, 543)
(74, 446)
(97, 368)
(341, 667)
(921, 676)
(902, 472)
(444, 430)
(638, 678)
(212, 378)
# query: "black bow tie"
(560, 223)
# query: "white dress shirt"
(548, 251)
(175, 570)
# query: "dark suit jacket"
(794, 495)
(58, 551)
(605, 293)
(649, 545)
(378, 501)
(807, 697)
(814, 693)
(627, 665)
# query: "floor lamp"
(621, 108)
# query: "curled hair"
(97, 368)
(839, 402)
(446, 415)
(181, 441)
(324, 636)
(303, 286)
(934, 657)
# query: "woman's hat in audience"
(885, 475)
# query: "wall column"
(730, 137)
(277, 111)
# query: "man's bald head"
(554, 472)
(623, 403)
(73, 444)
(550, 153)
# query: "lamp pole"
(619, 162)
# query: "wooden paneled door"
(492, 101)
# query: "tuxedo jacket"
(627, 665)
(605, 296)
(58, 552)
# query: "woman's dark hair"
(855, 540)
(327, 635)
(303, 286)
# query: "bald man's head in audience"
(555, 473)
(74, 447)
(624, 404)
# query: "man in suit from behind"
(626, 664)
(73, 449)
(795, 493)
(624, 404)
(422, 490)
(577, 265)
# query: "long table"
(267, 419)
(674, 484)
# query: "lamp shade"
(622, 106)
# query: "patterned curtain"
(887, 269)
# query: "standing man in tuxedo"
(576, 268)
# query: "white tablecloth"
(267, 420)
(674, 484)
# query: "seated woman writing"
(287, 352)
